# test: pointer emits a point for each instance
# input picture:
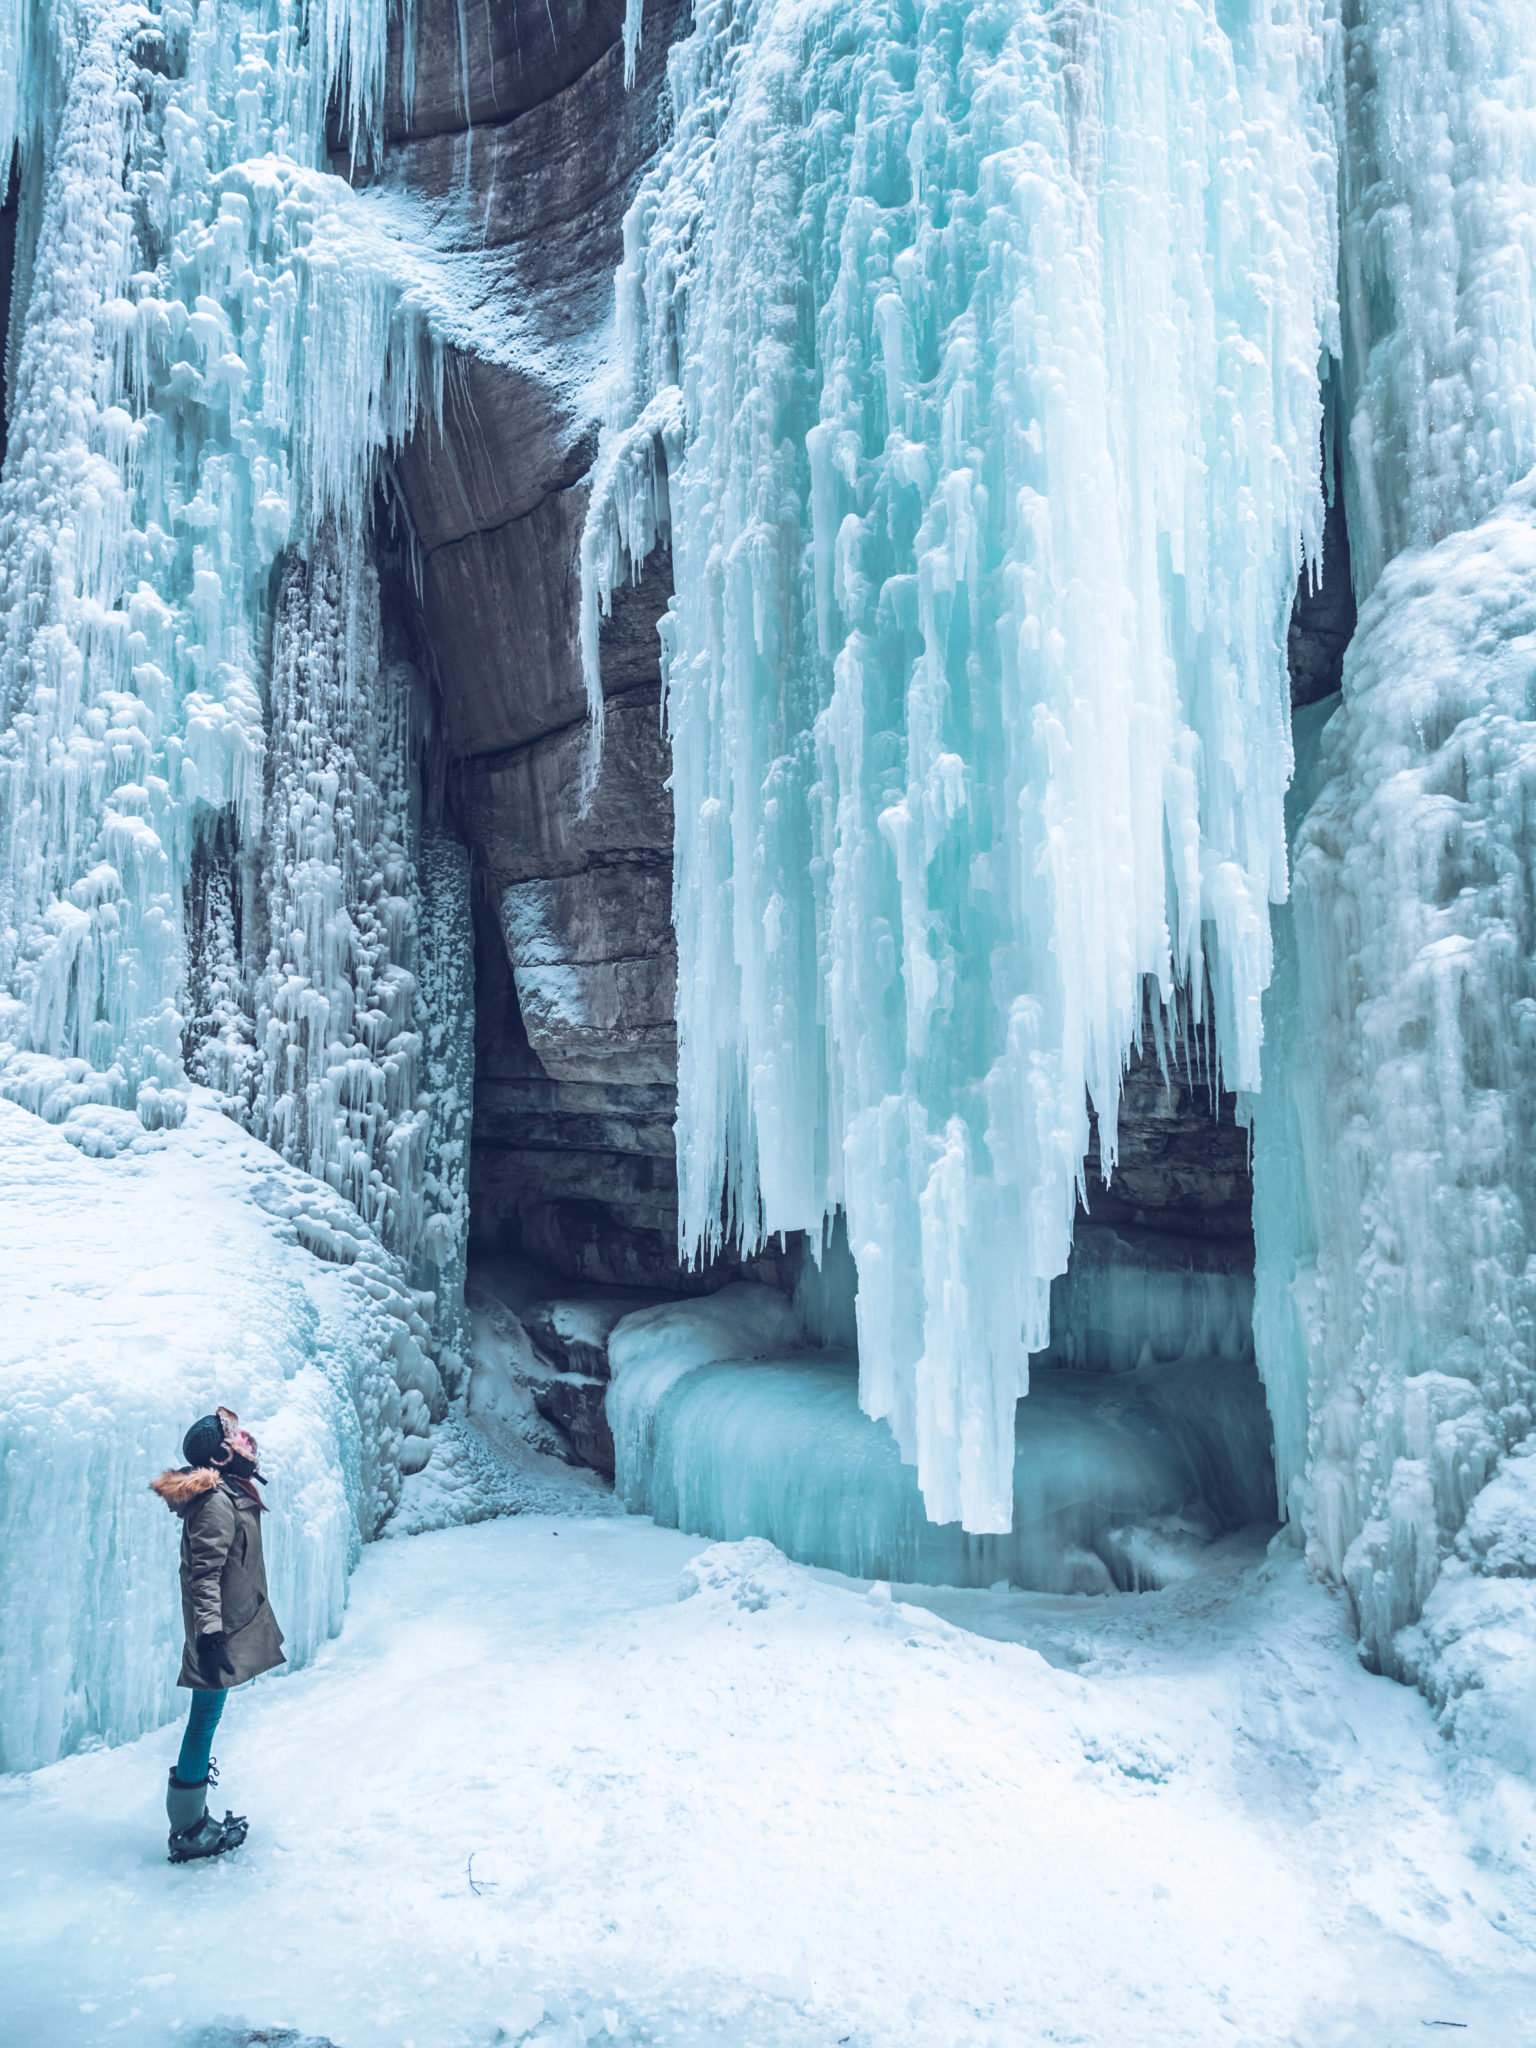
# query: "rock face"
(579, 1175)
(577, 1404)
(1182, 1166)
(524, 147)
(1323, 620)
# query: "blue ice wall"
(969, 362)
(724, 1427)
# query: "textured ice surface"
(1132, 1297)
(1119, 1479)
(213, 340)
(1290, 1141)
(447, 987)
(1414, 1099)
(1438, 200)
(1392, 1180)
(147, 1277)
(971, 363)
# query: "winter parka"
(223, 1577)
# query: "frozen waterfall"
(212, 863)
(217, 344)
(977, 369)
(1393, 1204)
(971, 364)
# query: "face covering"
(240, 1452)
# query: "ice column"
(447, 1007)
(1438, 260)
(970, 358)
(219, 1035)
(1394, 1208)
(336, 1009)
(1416, 994)
(1291, 1148)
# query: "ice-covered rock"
(575, 1402)
(574, 1329)
(143, 1287)
(1394, 1193)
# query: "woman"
(232, 1633)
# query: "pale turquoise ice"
(1289, 1143)
(1394, 1205)
(723, 1427)
(969, 361)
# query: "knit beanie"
(203, 1441)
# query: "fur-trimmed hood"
(186, 1485)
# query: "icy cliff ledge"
(149, 1275)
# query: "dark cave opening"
(1323, 616)
(1162, 1254)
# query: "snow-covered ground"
(530, 1791)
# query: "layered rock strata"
(524, 146)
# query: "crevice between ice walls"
(976, 676)
(1393, 1178)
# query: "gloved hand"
(214, 1661)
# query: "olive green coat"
(223, 1577)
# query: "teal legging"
(192, 1764)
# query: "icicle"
(634, 25)
(349, 42)
(993, 341)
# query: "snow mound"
(751, 1575)
(102, 1132)
(149, 1277)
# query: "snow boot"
(194, 1831)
